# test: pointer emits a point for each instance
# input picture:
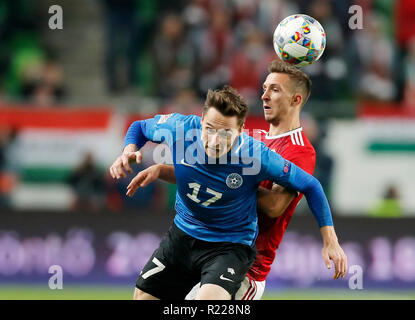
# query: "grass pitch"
(74, 292)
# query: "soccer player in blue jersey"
(218, 169)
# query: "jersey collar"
(267, 136)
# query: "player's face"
(219, 132)
(277, 96)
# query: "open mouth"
(267, 108)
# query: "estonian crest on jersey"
(234, 181)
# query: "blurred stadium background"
(67, 97)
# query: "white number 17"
(196, 187)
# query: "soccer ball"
(299, 40)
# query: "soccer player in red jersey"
(285, 91)
(286, 137)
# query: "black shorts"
(182, 261)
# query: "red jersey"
(295, 147)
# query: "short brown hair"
(228, 102)
(298, 78)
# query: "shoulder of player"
(298, 141)
(187, 118)
(302, 156)
(296, 138)
(250, 146)
(192, 120)
(248, 142)
(293, 144)
(297, 153)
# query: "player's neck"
(279, 127)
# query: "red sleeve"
(305, 158)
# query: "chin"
(268, 117)
(211, 154)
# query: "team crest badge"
(234, 181)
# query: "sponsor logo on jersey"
(234, 181)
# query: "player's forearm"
(287, 174)
(314, 193)
(130, 148)
(329, 235)
(265, 202)
(273, 202)
(318, 203)
(135, 135)
(166, 173)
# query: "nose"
(213, 140)
(265, 96)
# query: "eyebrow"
(210, 125)
(272, 85)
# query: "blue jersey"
(216, 199)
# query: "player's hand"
(123, 163)
(143, 178)
(333, 251)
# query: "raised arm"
(167, 173)
(143, 178)
(290, 176)
(158, 129)
(293, 178)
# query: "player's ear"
(297, 99)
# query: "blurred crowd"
(199, 44)
(184, 47)
(177, 50)
(29, 71)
